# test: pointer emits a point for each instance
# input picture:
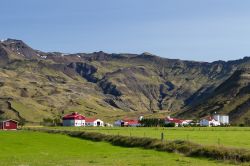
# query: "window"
(7, 123)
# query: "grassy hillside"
(35, 85)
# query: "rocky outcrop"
(109, 88)
(85, 70)
(20, 48)
(4, 58)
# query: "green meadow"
(26, 148)
(222, 136)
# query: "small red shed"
(9, 124)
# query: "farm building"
(131, 122)
(119, 123)
(93, 122)
(8, 125)
(209, 121)
(223, 119)
(177, 122)
(74, 119)
(127, 123)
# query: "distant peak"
(147, 54)
(100, 52)
(13, 40)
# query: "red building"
(130, 122)
(74, 119)
(8, 125)
(177, 122)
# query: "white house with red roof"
(177, 122)
(209, 121)
(74, 119)
(131, 122)
(93, 122)
(127, 123)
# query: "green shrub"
(242, 125)
(169, 125)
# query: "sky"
(200, 30)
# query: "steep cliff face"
(3, 56)
(45, 85)
(85, 70)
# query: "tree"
(152, 122)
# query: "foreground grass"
(35, 148)
(224, 136)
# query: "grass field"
(28, 148)
(226, 136)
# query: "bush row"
(185, 147)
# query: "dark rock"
(85, 70)
(109, 88)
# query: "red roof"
(131, 121)
(90, 120)
(74, 116)
(174, 120)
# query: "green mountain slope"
(35, 85)
(232, 97)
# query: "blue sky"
(201, 30)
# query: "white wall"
(95, 123)
(224, 119)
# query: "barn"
(74, 119)
(94, 122)
(131, 123)
(119, 123)
(177, 122)
(209, 121)
(9, 124)
(127, 123)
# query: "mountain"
(231, 97)
(36, 85)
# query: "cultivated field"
(226, 136)
(28, 148)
